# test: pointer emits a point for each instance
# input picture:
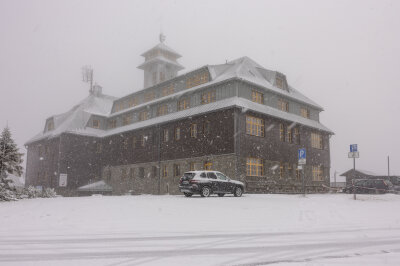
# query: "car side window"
(221, 176)
(211, 175)
(203, 175)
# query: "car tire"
(221, 194)
(238, 192)
(205, 191)
(188, 194)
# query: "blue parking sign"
(302, 154)
(353, 148)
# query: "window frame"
(255, 126)
(193, 130)
(254, 166)
(257, 96)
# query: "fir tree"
(10, 157)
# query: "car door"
(223, 182)
(215, 183)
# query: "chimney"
(97, 90)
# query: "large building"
(238, 117)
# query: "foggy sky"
(342, 54)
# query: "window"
(177, 170)
(208, 97)
(257, 97)
(167, 90)
(304, 112)
(197, 79)
(141, 172)
(207, 165)
(177, 133)
(279, 82)
(166, 135)
(183, 104)
(282, 132)
(126, 120)
(133, 142)
(211, 175)
(113, 123)
(162, 110)
(95, 123)
(99, 148)
(162, 76)
(143, 140)
(50, 125)
(132, 102)
(155, 171)
(317, 173)
(281, 170)
(149, 96)
(192, 166)
(165, 171)
(254, 167)
(206, 128)
(221, 176)
(290, 170)
(142, 116)
(254, 126)
(316, 140)
(289, 135)
(154, 78)
(193, 130)
(283, 105)
(297, 135)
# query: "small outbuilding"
(99, 187)
(363, 174)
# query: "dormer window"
(279, 83)
(50, 125)
(95, 123)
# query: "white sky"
(342, 54)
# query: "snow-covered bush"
(48, 193)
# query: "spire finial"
(162, 37)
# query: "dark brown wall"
(270, 147)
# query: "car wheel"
(188, 194)
(238, 192)
(221, 194)
(205, 191)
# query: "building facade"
(238, 118)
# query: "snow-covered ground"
(174, 230)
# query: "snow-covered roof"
(245, 104)
(244, 68)
(75, 120)
(96, 186)
(365, 172)
(247, 69)
(163, 47)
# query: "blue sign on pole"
(353, 148)
(302, 154)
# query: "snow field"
(174, 230)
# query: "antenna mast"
(87, 76)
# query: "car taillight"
(193, 181)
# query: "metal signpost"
(354, 154)
(302, 155)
